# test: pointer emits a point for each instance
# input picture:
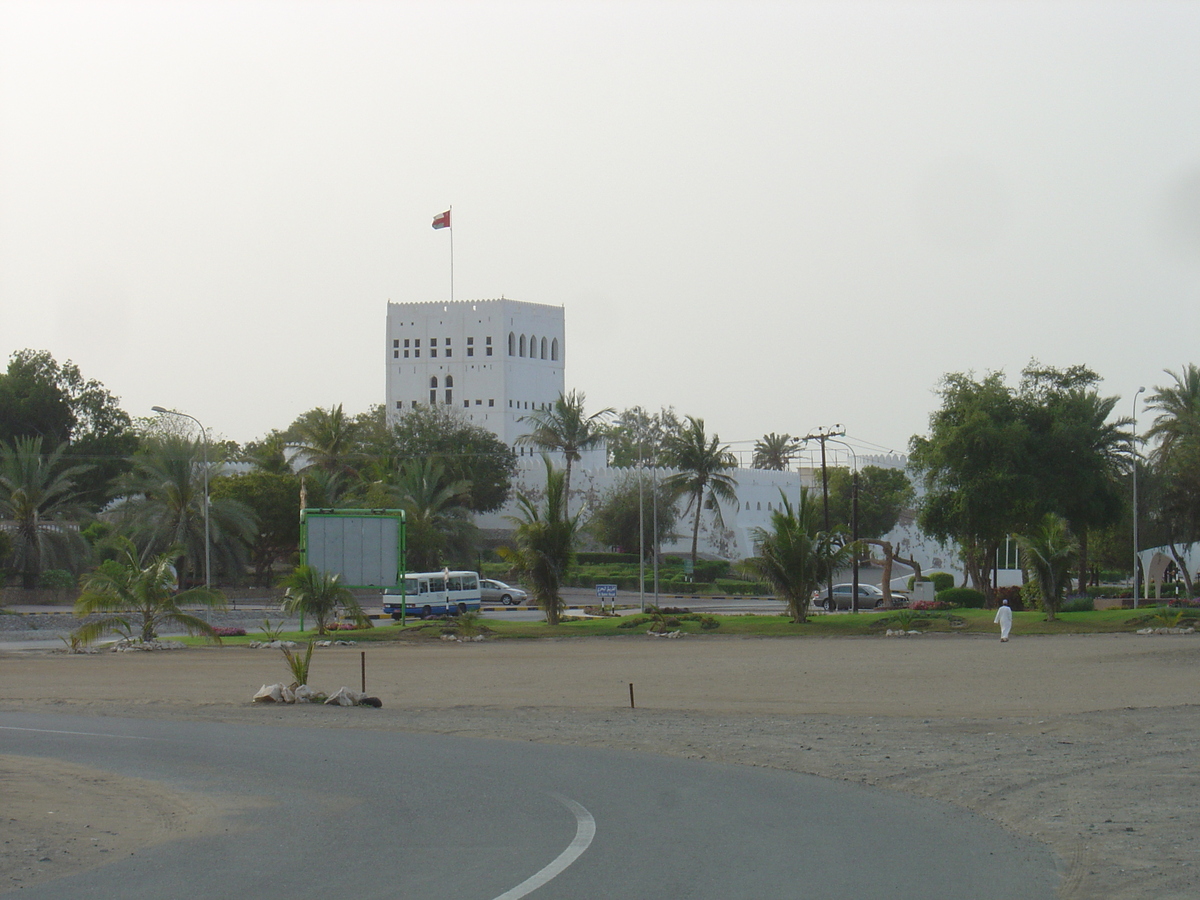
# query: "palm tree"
(1047, 553)
(545, 543)
(436, 521)
(130, 596)
(563, 427)
(1178, 420)
(701, 463)
(320, 595)
(165, 510)
(795, 557)
(329, 441)
(36, 496)
(774, 451)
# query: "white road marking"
(123, 737)
(585, 830)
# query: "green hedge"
(605, 559)
(732, 586)
(964, 597)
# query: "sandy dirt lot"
(1087, 743)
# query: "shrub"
(604, 559)
(709, 570)
(633, 622)
(926, 605)
(965, 597)
(228, 631)
(1185, 604)
(57, 580)
(1078, 604)
(730, 586)
(942, 581)
(709, 623)
(1011, 593)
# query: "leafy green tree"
(131, 597)
(795, 556)
(312, 592)
(274, 500)
(565, 428)
(164, 509)
(36, 495)
(774, 452)
(623, 513)
(41, 398)
(544, 542)
(635, 437)
(1048, 551)
(883, 494)
(467, 452)
(702, 464)
(268, 454)
(978, 485)
(1079, 454)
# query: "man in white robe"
(1004, 618)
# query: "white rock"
(345, 697)
(269, 693)
(304, 694)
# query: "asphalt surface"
(378, 814)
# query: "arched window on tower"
(543, 353)
(433, 391)
(522, 350)
(554, 350)
(512, 344)
(533, 346)
(449, 392)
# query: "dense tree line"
(79, 476)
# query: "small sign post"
(607, 592)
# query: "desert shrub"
(1078, 604)
(964, 597)
(633, 622)
(709, 623)
(942, 581)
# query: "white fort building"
(496, 361)
(493, 360)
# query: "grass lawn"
(864, 624)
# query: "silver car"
(869, 597)
(497, 591)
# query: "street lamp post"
(1133, 447)
(204, 434)
(853, 521)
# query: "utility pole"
(823, 434)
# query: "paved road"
(376, 814)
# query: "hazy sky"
(774, 216)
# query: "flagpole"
(452, 254)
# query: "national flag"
(442, 221)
